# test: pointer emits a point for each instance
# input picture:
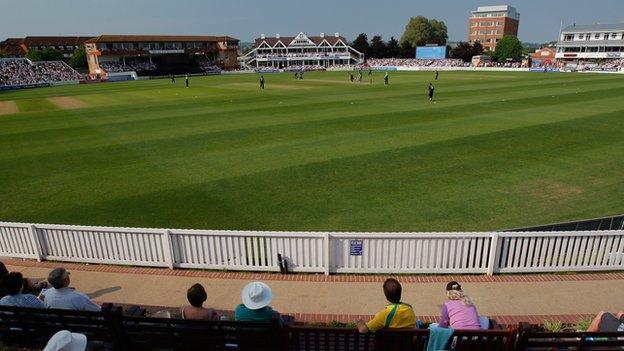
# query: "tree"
(509, 47)
(361, 44)
(407, 50)
(462, 51)
(465, 51)
(3, 54)
(79, 58)
(392, 48)
(378, 47)
(421, 31)
(33, 55)
(439, 33)
(47, 54)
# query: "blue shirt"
(22, 300)
(69, 299)
(244, 314)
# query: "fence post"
(168, 248)
(35, 242)
(494, 254)
(326, 255)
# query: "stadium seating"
(23, 72)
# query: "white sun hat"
(256, 295)
(67, 341)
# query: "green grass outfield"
(496, 150)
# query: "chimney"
(262, 36)
(337, 35)
(277, 36)
(322, 35)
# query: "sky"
(540, 20)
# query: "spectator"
(67, 341)
(196, 296)
(458, 312)
(255, 307)
(13, 285)
(397, 315)
(63, 297)
(30, 286)
(607, 322)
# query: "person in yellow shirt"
(397, 315)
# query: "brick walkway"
(346, 298)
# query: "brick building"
(488, 24)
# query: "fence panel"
(410, 252)
(247, 251)
(16, 240)
(526, 252)
(127, 246)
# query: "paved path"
(319, 298)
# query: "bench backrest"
(33, 326)
(143, 333)
(301, 338)
(585, 341)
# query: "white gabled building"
(591, 42)
(301, 50)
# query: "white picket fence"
(489, 252)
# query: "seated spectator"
(458, 312)
(607, 322)
(255, 307)
(30, 286)
(196, 296)
(13, 285)
(63, 297)
(397, 315)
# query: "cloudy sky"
(246, 19)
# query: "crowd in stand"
(136, 66)
(609, 65)
(22, 71)
(208, 66)
(392, 62)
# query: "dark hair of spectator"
(392, 290)
(13, 283)
(196, 295)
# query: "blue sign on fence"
(355, 247)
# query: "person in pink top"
(458, 312)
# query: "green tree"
(407, 50)
(378, 47)
(392, 48)
(79, 58)
(33, 55)
(3, 54)
(361, 44)
(420, 31)
(466, 51)
(439, 33)
(51, 54)
(509, 47)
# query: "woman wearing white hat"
(255, 307)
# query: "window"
(597, 36)
(581, 36)
(613, 35)
(568, 37)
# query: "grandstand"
(19, 72)
(302, 51)
(597, 47)
(160, 54)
